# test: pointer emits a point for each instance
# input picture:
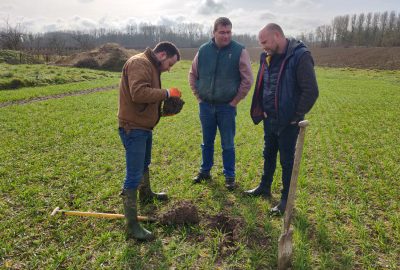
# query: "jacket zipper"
(215, 74)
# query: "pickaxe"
(96, 214)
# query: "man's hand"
(174, 92)
(296, 119)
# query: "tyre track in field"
(62, 95)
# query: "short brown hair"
(222, 21)
(169, 48)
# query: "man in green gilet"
(220, 77)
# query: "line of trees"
(184, 35)
(370, 29)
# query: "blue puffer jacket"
(287, 92)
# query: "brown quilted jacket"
(140, 92)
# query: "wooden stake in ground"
(285, 244)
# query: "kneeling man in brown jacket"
(140, 97)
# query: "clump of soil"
(172, 106)
(183, 212)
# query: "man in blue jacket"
(286, 89)
(220, 77)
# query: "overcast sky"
(247, 16)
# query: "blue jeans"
(137, 144)
(221, 116)
(283, 141)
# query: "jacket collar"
(292, 45)
(212, 41)
(152, 57)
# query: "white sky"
(248, 16)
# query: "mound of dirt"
(183, 212)
(109, 56)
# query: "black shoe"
(230, 183)
(259, 191)
(279, 209)
(201, 177)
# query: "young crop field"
(66, 152)
(18, 76)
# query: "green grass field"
(67, 153)
(19, 76)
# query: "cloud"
(298, 3)
(7, 8)
(75, 23)
(210, 6)
(295, 25)
(84, 23)
(51, 27)
(267, 16)
(168, 21)
(244, 20)
(85, 1)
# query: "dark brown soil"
(183, 212)
(186, 212)
(360, 57)
(230, 226)
(364, 58)
(172, 106)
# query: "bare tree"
(131, 29)
(367, 32)
(397, 31)
(353, 29)
(383, 26)
(11, 36)
(84, 40)
(56, 43)
(360, 29)
(375, 28)
(341, 25)
(324, 35)
(389, 35)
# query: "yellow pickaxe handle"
(96, 214)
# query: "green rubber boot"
(145, 192)
(133, 228)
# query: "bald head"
(273, 27)
(272, 39)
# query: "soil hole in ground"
(230, 226)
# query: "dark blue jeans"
(137, 144)
(283, 141)
(221, 116)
